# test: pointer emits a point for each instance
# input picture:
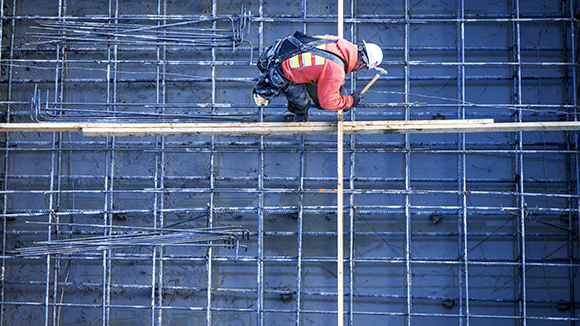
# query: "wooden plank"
(289, 128)
(340, 193)
(340, 217)
(419, 122)
(265, 128)
(40, 127)
(461, 127)
(240, 130)
(315, 127)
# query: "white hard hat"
(373, 55)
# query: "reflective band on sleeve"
(294, 61)
(319, 60)
(307, 59)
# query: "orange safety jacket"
(310, 68)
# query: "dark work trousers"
(299, 95)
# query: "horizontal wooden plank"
(288, 128)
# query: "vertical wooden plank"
(339, 193)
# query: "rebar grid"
(461, 229)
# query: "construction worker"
(303, 67)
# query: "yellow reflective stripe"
(294, 61)
(319, 60)
(307, 59)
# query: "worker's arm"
(329, 83)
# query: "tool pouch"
(275, 77)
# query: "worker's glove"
(343, 91)
(357, 97)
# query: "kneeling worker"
(303, 67)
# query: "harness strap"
(312, 48)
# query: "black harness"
(312, 48)
(281, 50)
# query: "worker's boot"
(301, 117)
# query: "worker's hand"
(357, 97)
(343, 91)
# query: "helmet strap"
(364, 57)
(363, 51)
